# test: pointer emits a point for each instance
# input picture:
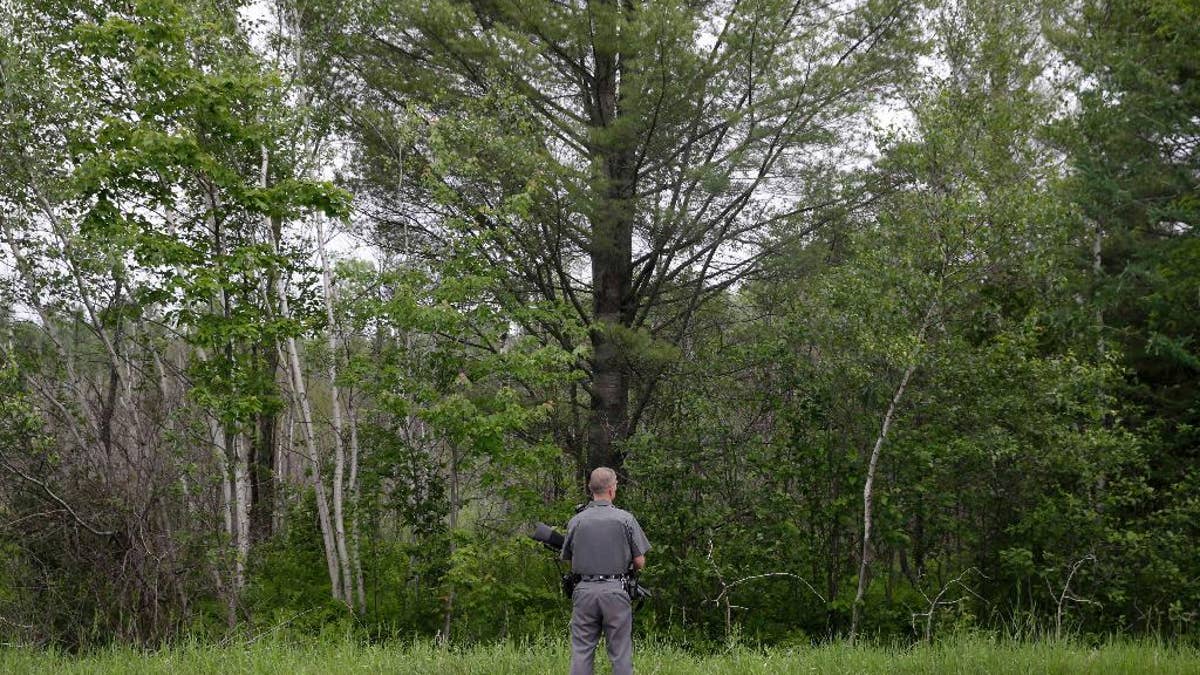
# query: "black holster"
(637, 592)
(568, 583)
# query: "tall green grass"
(961, 655)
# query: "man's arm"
(568, 542)
(638, 544)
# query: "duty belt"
(602, 577)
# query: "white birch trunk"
(310, 442)
(355, 559)
(283, 462)
(869, 484)
(232, 474)
(241, 489)
(306, 421)
(221, 457)
(339, 453)
(121, 366)
(220, 454)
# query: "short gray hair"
(602, 479)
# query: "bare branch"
(59, 500)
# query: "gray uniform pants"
(600, 604)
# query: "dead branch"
(723, 596)
(938, 602)
(50, 493)
(1067, 595)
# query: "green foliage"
(1133, 153)
(505, 588)
(288, 584)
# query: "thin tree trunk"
(355, 558)
(454, 503)
(283, 464)
(241, 484)
(121, 366)
(1097, 273)
(339, 454)
(233, 476)
(64, 349)
(221, 456)
(263, 466)
(227, 460)
(306, 421)
(869, 484)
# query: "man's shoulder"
(601, 512)
(624, 515)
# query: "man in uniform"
(604, 544)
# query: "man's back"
(603, 539)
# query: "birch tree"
(142, 185)
(971, 200)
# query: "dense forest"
(885, 312)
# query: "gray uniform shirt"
(603, 539)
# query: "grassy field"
(968, 655)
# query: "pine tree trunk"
(611, 251)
